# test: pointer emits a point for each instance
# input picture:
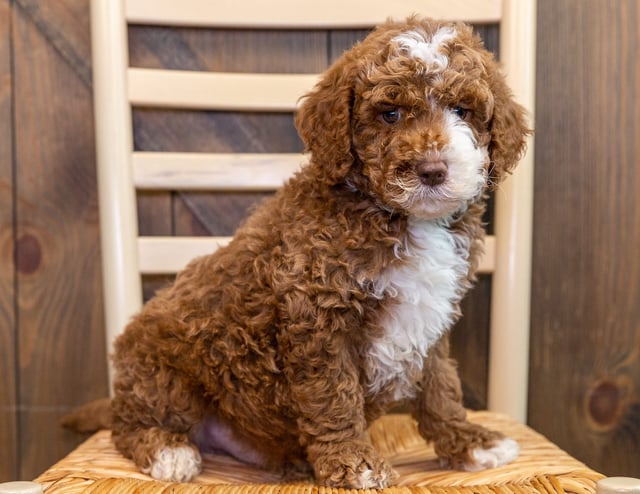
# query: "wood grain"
(61, 336)
(9, 452)
(63, 24)
(228, 50)
(585, 339)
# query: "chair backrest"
(121, 170)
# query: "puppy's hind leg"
(153, 419)
(154, 429)
(162, 454)
(442, 419)
(158, 399)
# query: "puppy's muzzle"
(432, 173)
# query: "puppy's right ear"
(324, 122)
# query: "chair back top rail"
(292, 14)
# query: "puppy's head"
(417, 115)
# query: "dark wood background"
(585, 359)
(585, 373)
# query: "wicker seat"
(541, 468)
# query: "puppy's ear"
(509, 130)
(324, 122)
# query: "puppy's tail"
(90, 417)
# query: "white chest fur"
(425, 288)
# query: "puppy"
(335, 297)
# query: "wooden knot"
(606, 403)
(28, 254)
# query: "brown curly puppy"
(334, 298)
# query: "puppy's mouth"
(428, 188)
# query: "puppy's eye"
(463, 113)
(391, 116)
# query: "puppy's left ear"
(324, 122)
(509, 130)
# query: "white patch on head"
(505, 451)
(426, 289)
(466, 175)
(415, 45)
(180, 464)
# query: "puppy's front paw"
(176, 464)
(355, 466)
(503, 451)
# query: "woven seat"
(542, 467)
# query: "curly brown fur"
(334, 298)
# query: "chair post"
(118, 225)
(510, 305)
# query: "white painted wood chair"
(121, 171)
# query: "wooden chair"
(122, 171)
(127, 256)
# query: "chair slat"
(168, 255)
(216, 172)
(292, 14)
(217, 90)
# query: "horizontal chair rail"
(292, 14)
(217, 90)
(214, 171)
(168, 255)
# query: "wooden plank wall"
(8, 421)
(585, 367)
(585, 343)
(58, 310)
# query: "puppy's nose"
(432, 173)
